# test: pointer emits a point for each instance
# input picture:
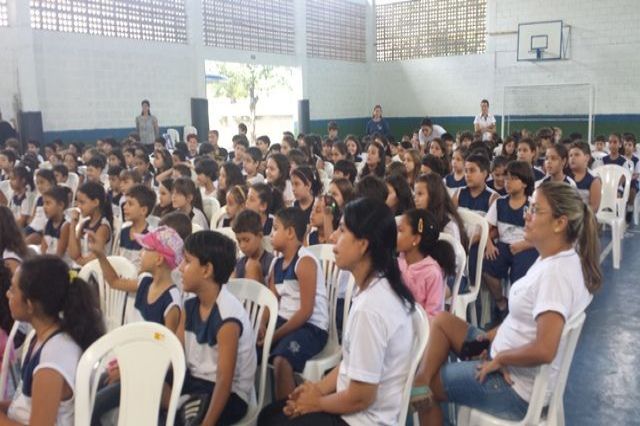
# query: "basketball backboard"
(540, 41)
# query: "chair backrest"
(324, 253)
(348, 297)
(610, 175)
(7, 356)
(153, 221)
(215, 217)
(5, 187)
(228, 232)
(570, 335)
(174, 135)
(187, 131)
(113, 303)
(144, 351)
(473, 224)
(118, 224)
(257, 298)
(461, 262)
(210, 205)
(420, 337)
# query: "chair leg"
(616, 230)
(636, 210)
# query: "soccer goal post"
(567, 106)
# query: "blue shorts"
(507, 265)
(495, 396)
(300, 345)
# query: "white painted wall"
(604, 46)
(88, 82)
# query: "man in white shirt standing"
(429, 131)
(485, 122)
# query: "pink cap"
(165, 241)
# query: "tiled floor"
(604, 383)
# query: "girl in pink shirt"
(424, 260)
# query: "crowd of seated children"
(276, 204)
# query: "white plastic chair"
(636, 210)
(113, 303)
(461, 263)
(472, 221)
(215, 217)
(144, 351)
(174, 135)
(420, 338)
(6, 361)
(187, 131)
(256, 299)
(330, 356)
(73, 181)
(210, 206)
(153, 221)
(613, 209)
(534, 416)
(228, 232)
(5, 187)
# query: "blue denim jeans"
(495, 396)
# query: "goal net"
(567, 106)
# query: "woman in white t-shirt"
(366, 388)
(66, 318)
(557, 287)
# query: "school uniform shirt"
(479, 204)
(84, 235)
(22, 205)
(39, 218)
(198, 218)
(452, 184)
(265, 263)
(437, 132)
(377, 349)
(566, 180)
(115, 204)
(538, 174)
(201, 345)
(312, 237)
(11, 255)
(619, 160)
(484, 122)
(509, 221)
(129, 247)
(492, 184)
(267, 228)
(288, 288)
(555, 283)
(584, 186)
(59, 353)
(51, 236)
(159, 308)
(307, 212)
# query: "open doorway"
(263, 97)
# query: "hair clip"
(73, 274)
(420, 225)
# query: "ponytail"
(63, 297)
(81, 316)
(442, 252)
(589, 250)
(425, 224)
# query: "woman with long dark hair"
(366, 388)
(64, 312)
